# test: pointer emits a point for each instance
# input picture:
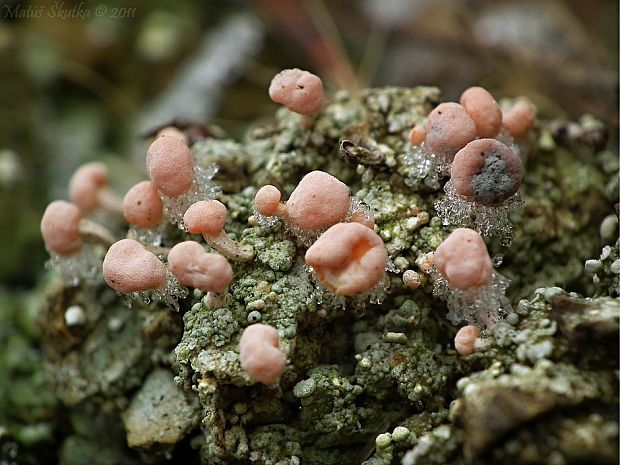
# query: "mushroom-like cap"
(260, 354)
(142, 205)
(299, 91)
(465, 339)
(85, 183)
(171, 131)
(193, 266)
(129, 267)
(417, 135)
(170, 165)
(463, 260)
(205, 217)
(267, 200)
(448, 129)
(319, 201)
(519, 119)
(486, 171)
(348, 259)
(483, 109)
(60, 228)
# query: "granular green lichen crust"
(372, 380)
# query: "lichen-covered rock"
(372, 380)
(160, 414)
(111, 353)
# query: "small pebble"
(609, 228)
(412, 279)
(400, 338)
(115, 324)
(605, 253)
(593, 266)
(74, 316)
(304, 388)
(256, 305)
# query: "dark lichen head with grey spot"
(486, 171)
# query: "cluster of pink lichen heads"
(71, 238)
(473, 142)
(463, 273)
(174, 186)
(451, 126)
(344, 252)
(177, 180)
(346, 255)
(130, 268)
(319, 201)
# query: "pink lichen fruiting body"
(267, 200)
(483, 109)
(60, 228)
(519, 119)
(193, 266)
(465, 339)
(463, 260)
(170, 165)
(348, 259)
(298, 90)
(448, 129)
(85, 184)
(129, 267)
(206, 217)
(417, 135)
(260, 355)
(319, 201)
(486, 171)
(142, 205)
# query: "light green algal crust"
(605, 269)
(551, 371)
(564, 194)
(416, 366)
(363, 381)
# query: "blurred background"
(87, 80)
(83, 80)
